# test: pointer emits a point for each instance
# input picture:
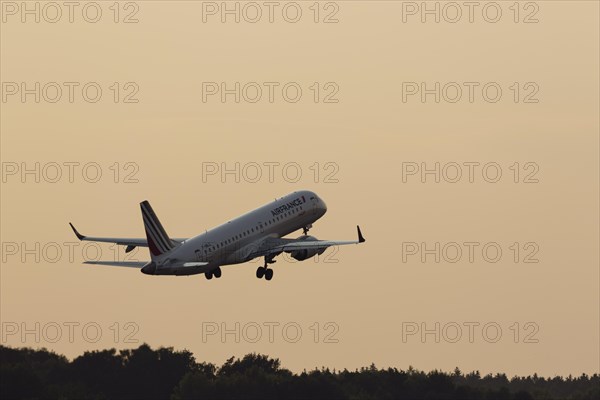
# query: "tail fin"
(158, 240)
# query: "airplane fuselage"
(235, 241)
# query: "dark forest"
(165, 373)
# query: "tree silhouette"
(165, 373)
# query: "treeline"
(144, 373)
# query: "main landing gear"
(215, 272)
(266, 271)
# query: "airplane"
(258, 233)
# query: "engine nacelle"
(305, 254)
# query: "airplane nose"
(322, 206)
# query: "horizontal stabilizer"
(130, 264)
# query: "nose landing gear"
(306, 228)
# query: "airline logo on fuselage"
(288, 206)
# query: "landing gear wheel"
(217, 273)
(260, 272)
(208, 275)
(269, 274)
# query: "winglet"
(79, 235)
(361, 239)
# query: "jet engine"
(304, 254)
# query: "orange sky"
(361, 137)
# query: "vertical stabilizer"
(158, 240)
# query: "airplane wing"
(130, 243)
(274, 246)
